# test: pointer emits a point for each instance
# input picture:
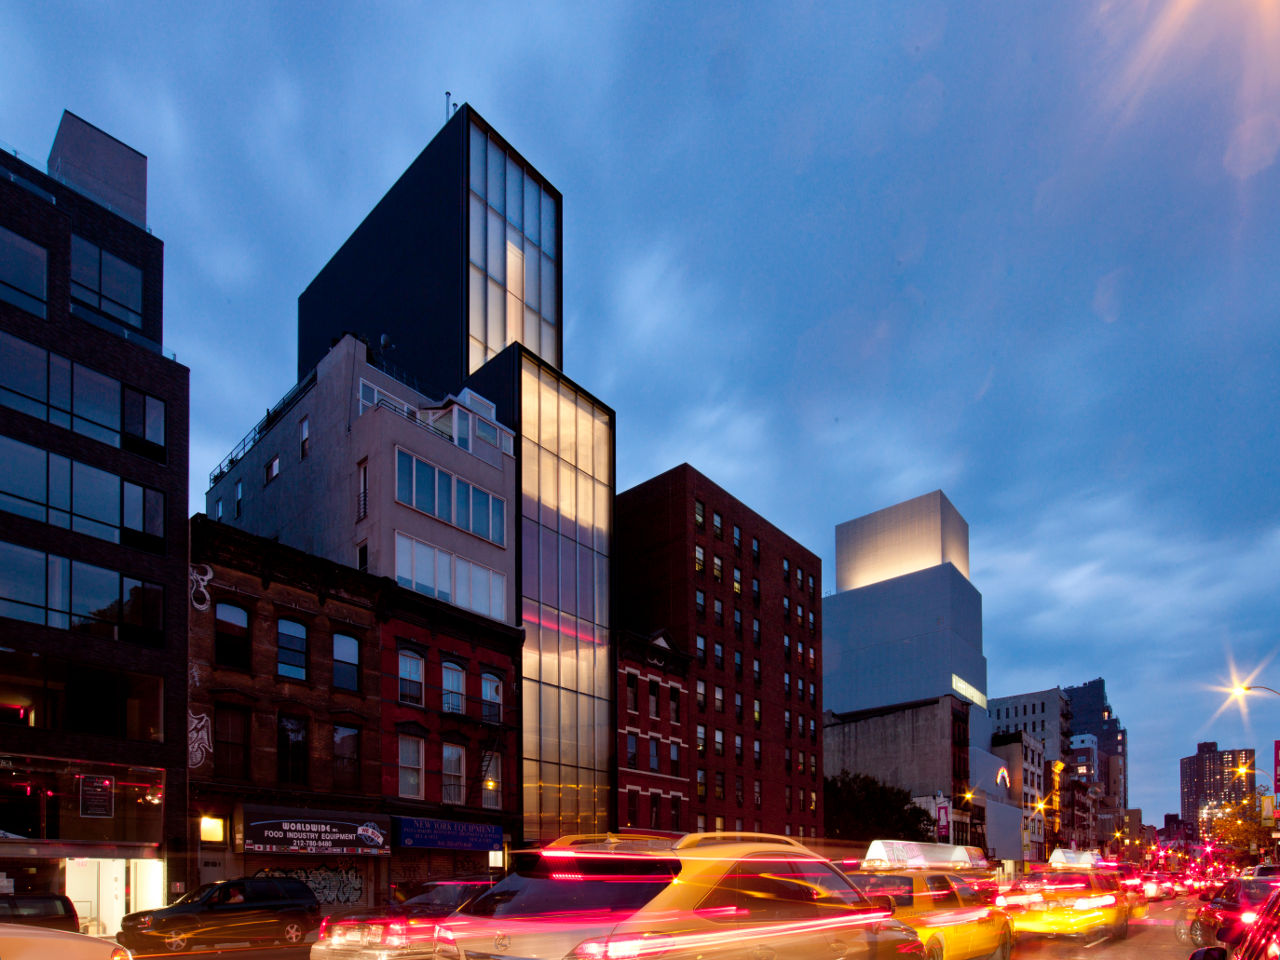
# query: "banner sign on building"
(944, 823)
(277, 830)
(424, 833)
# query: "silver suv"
(704, 895)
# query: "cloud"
(1253, 146)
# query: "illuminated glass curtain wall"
(513, 295)
(567, 518)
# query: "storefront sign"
(423, 833)
(97, 799)
(276, 830)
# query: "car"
(942, 893)
(1067, 902)
(51, 910)
(1259, 940)
(277, 909)
(1156, 886)
(1224, 913)
(713, 896)
(381, 932)
(21, 941)
(1130, 879)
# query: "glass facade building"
(566, 520)
(513, 294)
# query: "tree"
(1240, 827)
(860, 807)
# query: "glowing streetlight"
(1241, 689)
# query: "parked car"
(953, 914)
(276, 909)
(381, 932)
(713, 896)
(1226, 912)
(39, 910)
(1260, 940)
(20, 941)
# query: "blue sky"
(833, 255)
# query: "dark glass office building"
(454, 279)
(93, 536)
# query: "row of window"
(718, 659)
(1002, 713)
(718, 791)
(717, 531)
(700, 699)
(437, 573)
(66, 493)
(66, 394)
(655, 696)
(453, 773)
(718, 749)
(42, 588)
(437, 492)
(700, 608)
(105, 283)
(453, 697)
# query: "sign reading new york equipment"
(422, 832)
(272, 830)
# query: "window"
(654, 692)
(717, 527)
(653, 754)
(239, 500)
(291, 750)
(737, 794)
(633, 683)
(757, 795)
(23, 272)
(786, 605)
(755, 712)
(717, 569)
(755, 629)
(786, 683)
(231, 647)
(701, 694)
(491, 782)
(437, 492)
(411, 767)
(700, 648)
(304, 437)
(719, 612)
(737, 747)
(230, 742)
(755, 548)
(700, 603)
(452, 768)
(737, 622)
(362, 553)
(737, 537)
(655, 800)
(410, 678)
(699, 559)
(702, 785)
(346, 758)
(719, 743)
(719, 785)
(490, 698)
(217, 510)
(786, 722)
(737, 580)
(755, 752)
(431, 571)
(755, 669)
(811, 584)
(786, 568)
(719, 699)
(719, 656)
(105, 283)
(737, 706)
(737, 663)
(271, 471)
(699, 513)
(675, 759)
(346, 662)
(700, 740)
(633, 807)
(677, 801)
(291, 650)
(452, 681)
(674, 694)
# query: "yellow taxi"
(943, 892)
(1073, 897)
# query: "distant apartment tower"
(1091, 713)
(1045, 714)
(93, 536)
(1211, 780)
(740, 599)
(453, 279)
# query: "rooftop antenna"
(449, 106)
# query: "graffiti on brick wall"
(340, 883)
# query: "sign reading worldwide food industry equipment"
(424, 833)
(280, 830)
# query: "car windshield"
(1256, 891)
(1053, 884)
(445, 895)
(555, 885)
(197, 894)
(884, 884)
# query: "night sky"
(833, 255)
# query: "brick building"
(741, 600)
(653, 748)
(321, 695)
(93, 535)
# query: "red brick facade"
(742, 600)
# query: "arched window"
(452, 683)
(231, 646)
(491, 698)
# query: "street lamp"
(1240, 689)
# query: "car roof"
(664, 844)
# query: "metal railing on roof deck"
(260, 429)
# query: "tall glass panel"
(532, 202)
(515, 192)
(477, 174)
(476, 229)
(497, 176)
(496, 248)
(564, 588)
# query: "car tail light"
(1248, 917)
(144, 921)
(395, 933)
(622, 948)
(120, 953)
(324, 929)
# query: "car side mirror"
(1210, 953)
(884, 902)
